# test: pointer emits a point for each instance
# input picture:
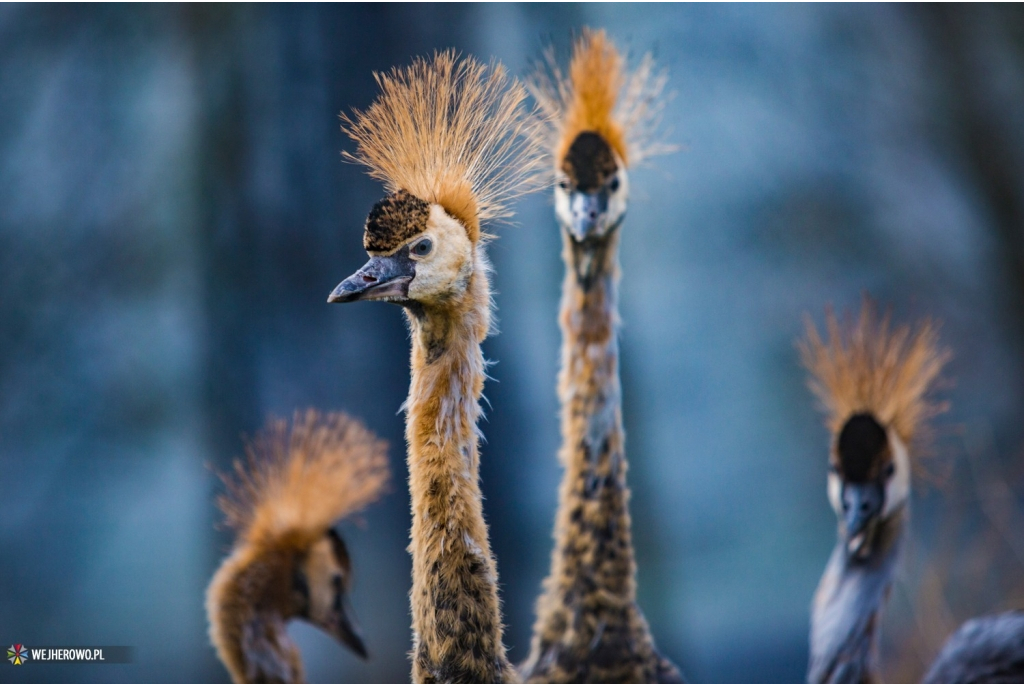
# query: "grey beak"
(588, 213)
(348, 630)
(862, 503)
(381, 278)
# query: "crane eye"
(423, 247)
(613, 185)
(563, 184)
(890, 469)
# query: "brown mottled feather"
(589, 627)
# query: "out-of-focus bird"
(874, 382)
(287, 561)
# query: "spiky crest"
(868, 366)
(451, 131)
(300, 479)
(599, 94)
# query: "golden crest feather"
(449, 131)
(870, 366)
(300, 479)
(599, 94)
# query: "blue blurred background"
(174, 212)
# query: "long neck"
(246, 625)
(847, 608)
(593, 526)
(588, 626)
(457, 629)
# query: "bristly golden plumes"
(600, 95)
(450, 131)
(872, 367)
(301, 479)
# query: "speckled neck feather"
(457, 629)
(589, 627)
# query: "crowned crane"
(874, 383)
(445, 136)
(287, 561)
(600, 120)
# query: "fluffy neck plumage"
(457, 630)
(588, 627)
(847, 608)
(246, 623)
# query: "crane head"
(419, 254)
(868, 481)
(320, 583)
(592, 189)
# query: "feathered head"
(300, 479)
(599, 96)
(448, 131)
(871, 368)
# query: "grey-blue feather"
(989, 649)
(845, 615)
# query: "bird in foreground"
(601, 121)
(287, 561)
(446, 136)
(874, 382)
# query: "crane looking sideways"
(446, 137)
(287, 561)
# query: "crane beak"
(381, 278)
(589, 213)
(347, 629)
(862, 503)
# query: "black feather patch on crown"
(590, 162)
(393, 220)
(862, 448)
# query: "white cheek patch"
(448, 266)
(897, 489)
(563, 210)
(835, 489)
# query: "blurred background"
(174, 211)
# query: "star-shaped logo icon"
(17, 654)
